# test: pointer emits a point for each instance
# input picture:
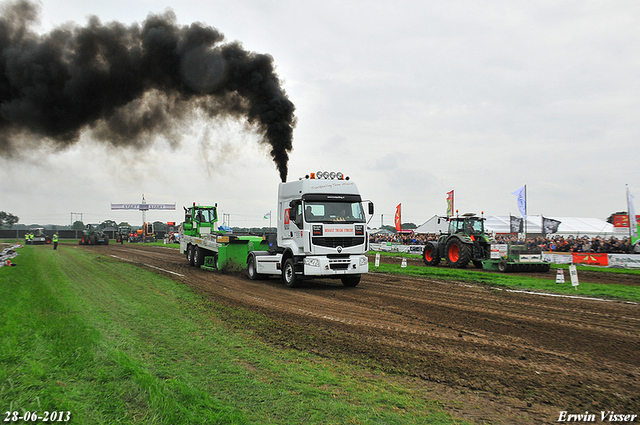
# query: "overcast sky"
(410, 99)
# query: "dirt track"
(490, 356)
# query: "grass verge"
(112, 343)
(516, 281)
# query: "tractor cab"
(200, 220)
(469, 224)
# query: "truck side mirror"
(370, 208)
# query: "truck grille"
(336, 242)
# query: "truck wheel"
(457, 254)
(190, 250)
(289, 274)
(251, 268)
(351, 280)
(430, 255)
(198, 259)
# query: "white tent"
(432, 226)
(569, 226)
(380, 232)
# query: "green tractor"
(93, 235)
(464, 242)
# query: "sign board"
(498, 250)
(573, 271)
(330, 230)
(377, 259)
(530, 258)
(622, 220)
(143, 207)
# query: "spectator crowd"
(556, 244)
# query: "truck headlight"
(363, 260)
(313, 262)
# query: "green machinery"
(93, 235)
(209, 247)
(466, 242)
(515, 258)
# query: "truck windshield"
(328, 211)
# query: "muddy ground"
(489, 355)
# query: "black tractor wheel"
(198, 257)
(351, 280)
(289, 274)
(216, 261)
(430, 255)
(190, 250)
(457, 254)
(503, 266)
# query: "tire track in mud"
(552, 353)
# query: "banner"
(620, 220)
(624, 261)
(143, 207)
(549, 225)
(557, 257)
(398, 220)
(592, 259)
(450, 204)
(516, 224)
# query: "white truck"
(321, 232)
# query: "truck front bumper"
(324, 266)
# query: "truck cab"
(321, 232)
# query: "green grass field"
(111, 343)
(520, 282)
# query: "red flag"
(450, 204)
(398, 220)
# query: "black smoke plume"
(129, 84)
